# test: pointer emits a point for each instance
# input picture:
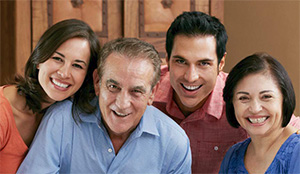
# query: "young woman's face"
(257, 102)
(64, 72)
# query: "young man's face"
(193, 66)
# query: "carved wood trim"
(103, 33)
(142, 32)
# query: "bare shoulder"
(17, 102)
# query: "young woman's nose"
(64, 71)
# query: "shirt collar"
(215, 105)
(147, 123)
(94, 117)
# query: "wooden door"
(145, 19)
(104, 16)
(149, 20)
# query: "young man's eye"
(180, 61)
(204, 63)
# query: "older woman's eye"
(244, 98)
(267, 96)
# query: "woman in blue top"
(260, 97)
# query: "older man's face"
(125, 91)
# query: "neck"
(188, 110)
(262, 144)
(118, 141)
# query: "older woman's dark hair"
(256, 63)
(49, 42)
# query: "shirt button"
(109, 150)
(216, 148)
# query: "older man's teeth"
(257, 120)
(59, 84)
(191, 88)
(120, 114)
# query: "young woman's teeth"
(191, 88)
(59, 84)
(257, 120)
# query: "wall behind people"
(270, 26)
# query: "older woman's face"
(257, 102)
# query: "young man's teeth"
(191, 87)
(257, 120)
(120, 114)
(59, 84)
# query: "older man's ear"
(152, 94)
(96, 82)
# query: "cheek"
(79, 76)
(238, 109)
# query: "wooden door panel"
(149, 20)
(93, 12)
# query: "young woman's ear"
(96, 81)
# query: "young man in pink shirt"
(191, 88)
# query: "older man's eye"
(113, 88)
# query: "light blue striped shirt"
(158, 145)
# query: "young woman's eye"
(57, 59)
(78, 66)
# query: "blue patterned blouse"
(287, 159)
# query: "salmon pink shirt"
(12, 147)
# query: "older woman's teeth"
(257, 120)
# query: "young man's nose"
(191, 74)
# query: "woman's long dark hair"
(29, 86)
